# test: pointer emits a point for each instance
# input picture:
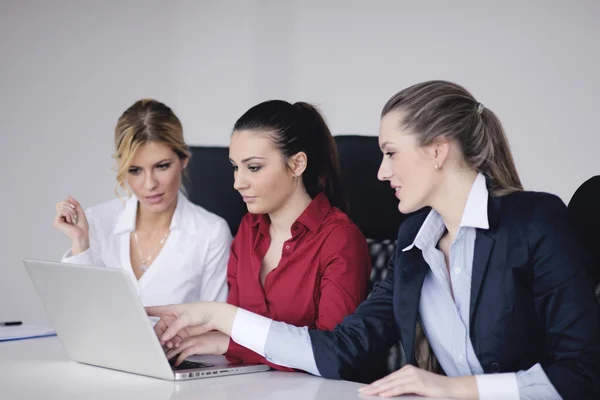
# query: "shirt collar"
(126, 221)
(475, 215)
(312, 217)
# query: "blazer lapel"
(484, 244)
(413, 269)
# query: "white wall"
(69, 68)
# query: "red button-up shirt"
(321, 277)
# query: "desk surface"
(40, 369)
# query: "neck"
(153, 221)
(283, 218)
(451, 198)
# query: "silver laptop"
(100, 321)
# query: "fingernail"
(72, 205)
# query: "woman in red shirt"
(297, 257)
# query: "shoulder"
(532, 207)
(206, 221)
(108, 208)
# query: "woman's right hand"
(70, 220)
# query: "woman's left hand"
(209, 343)
(413, 380)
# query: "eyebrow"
(385, 144)
(245, 160)
(155, 164)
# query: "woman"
(297, 257)
(492, 273)
(175, 251)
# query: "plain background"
(69, 68)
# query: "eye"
(389, 154)
(234, 167)
(134, 171)
(163, 166)
(254, 168)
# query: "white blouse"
(191, 266)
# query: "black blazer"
(531, 301)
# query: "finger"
(397, 386)
(180, 323)
(159, 328)
(190, 351)
(159, 311)
(391, 379)
(70, 212)
(172, 353)
(66, 216)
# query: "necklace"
(145, 263)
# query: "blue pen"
(10, 323)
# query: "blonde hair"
(438, 108)
(146, 121)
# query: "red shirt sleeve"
(346, 269)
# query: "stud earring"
(437, 167)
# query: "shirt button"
(457, 270)
(461, 358)
(295, 227)
(287, 247)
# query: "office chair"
(209, 183)
(584, 209)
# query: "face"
(408, 167)
(154, 176)
(260, 172)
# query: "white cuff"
(250, 330)
(497, 386)
(84, 258)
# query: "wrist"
(222, 317)
(79, 245)
(463, 387)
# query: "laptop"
(100, 321)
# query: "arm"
(347, 266)
(90, 256)
(563, 294)
(214, 282)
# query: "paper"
(24, 332)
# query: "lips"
(154, 199)
(249, 199)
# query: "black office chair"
(209, 183)
(372, 207)
(584, 209)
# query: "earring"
(437, 167)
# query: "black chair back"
(209, 184)
(584, 209)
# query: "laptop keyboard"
(187, 365)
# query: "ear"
(439, 150)
(184, 162)
(297, 163)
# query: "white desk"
(39, 369)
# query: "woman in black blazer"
(491, 274)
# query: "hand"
(181, 321)
(70, 220)
(209, 343)
(413, 380)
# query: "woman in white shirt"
(174, 250)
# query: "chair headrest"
(373, 206)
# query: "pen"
(10, 323)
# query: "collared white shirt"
(191, 266)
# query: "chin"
(407, 208)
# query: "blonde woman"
(175, 251)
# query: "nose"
(150, 182)
(384, 172)
(239, 181)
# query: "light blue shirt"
(445, 320)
